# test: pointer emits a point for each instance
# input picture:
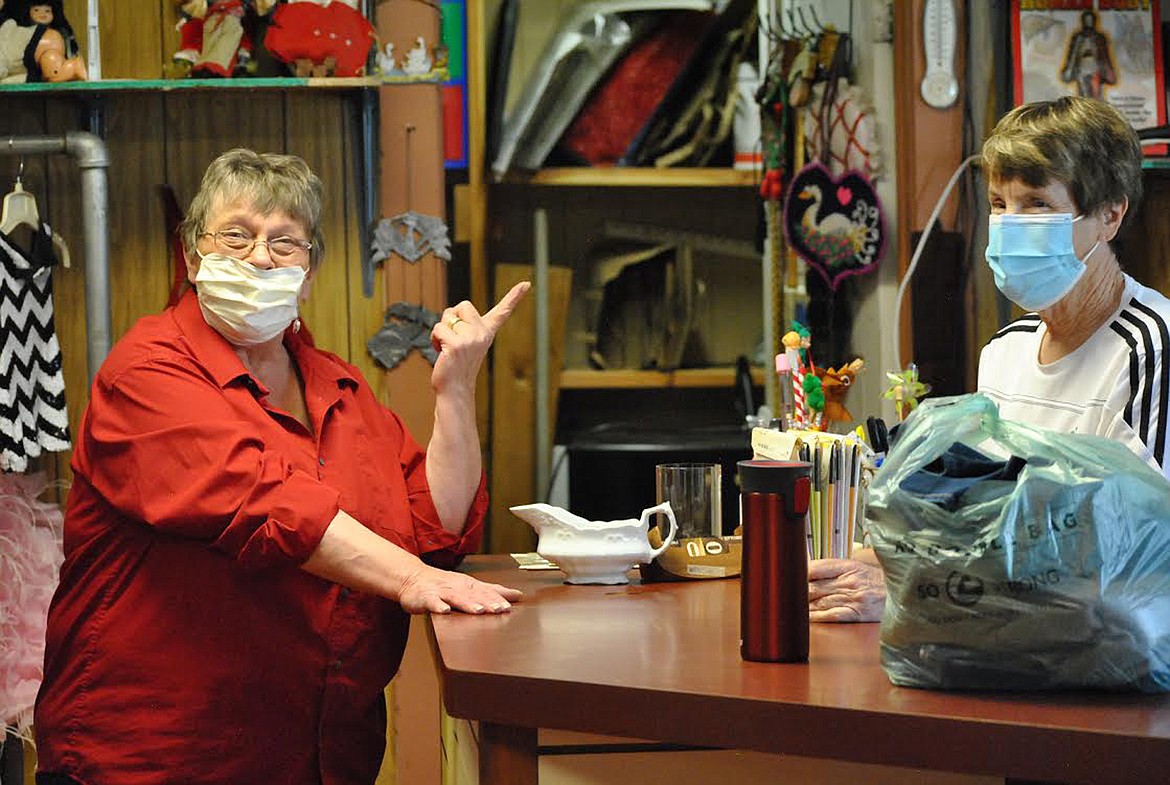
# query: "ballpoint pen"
(834, 516)
(854, 478)
(814, 507)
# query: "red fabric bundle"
(307, 31)
(620, 107)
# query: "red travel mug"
(773, 620)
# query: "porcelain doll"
(37, 45)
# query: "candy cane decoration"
(800, 409)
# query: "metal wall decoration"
(410, 235)
(407, 326)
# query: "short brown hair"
(268, 182)
(1081, 142)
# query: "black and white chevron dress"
(32, 389)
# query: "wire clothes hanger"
(817, 27)
(803, 28)
(20, 209)
(778, 32)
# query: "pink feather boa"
(30, 560)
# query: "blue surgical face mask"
(1032, 257)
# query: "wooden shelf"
(608, 176)
(240, 83)
(588, 379)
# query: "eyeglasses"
(240, 243)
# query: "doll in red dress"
(214, 39)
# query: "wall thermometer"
(939, 34)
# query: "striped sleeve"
(1145, 331)
(1028, 323)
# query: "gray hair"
(1081, 142)
(268, 183)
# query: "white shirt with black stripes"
(1115, 385)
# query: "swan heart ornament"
(835, 224)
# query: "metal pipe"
(368, 157)
(543, 346)
(768, 20)
(93, 63)
(89, 152)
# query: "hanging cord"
(905, 284)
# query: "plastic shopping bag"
(1053, 575)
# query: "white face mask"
(245, 304)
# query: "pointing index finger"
(496, 317)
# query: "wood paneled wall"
(137, 36)
(159, 138)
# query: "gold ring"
(454, 320)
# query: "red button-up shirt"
(184, 643)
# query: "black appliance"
(611, 472)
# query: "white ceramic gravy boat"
(594, 551)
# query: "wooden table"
(662, 662)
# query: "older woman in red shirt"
(248, 527)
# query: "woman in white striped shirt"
(1089, 354)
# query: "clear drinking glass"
(695, 493)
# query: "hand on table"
(845, 590)
(463, 337)
(431, 590)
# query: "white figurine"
(418, 59)
(386, 63)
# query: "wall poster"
(1107, 49)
